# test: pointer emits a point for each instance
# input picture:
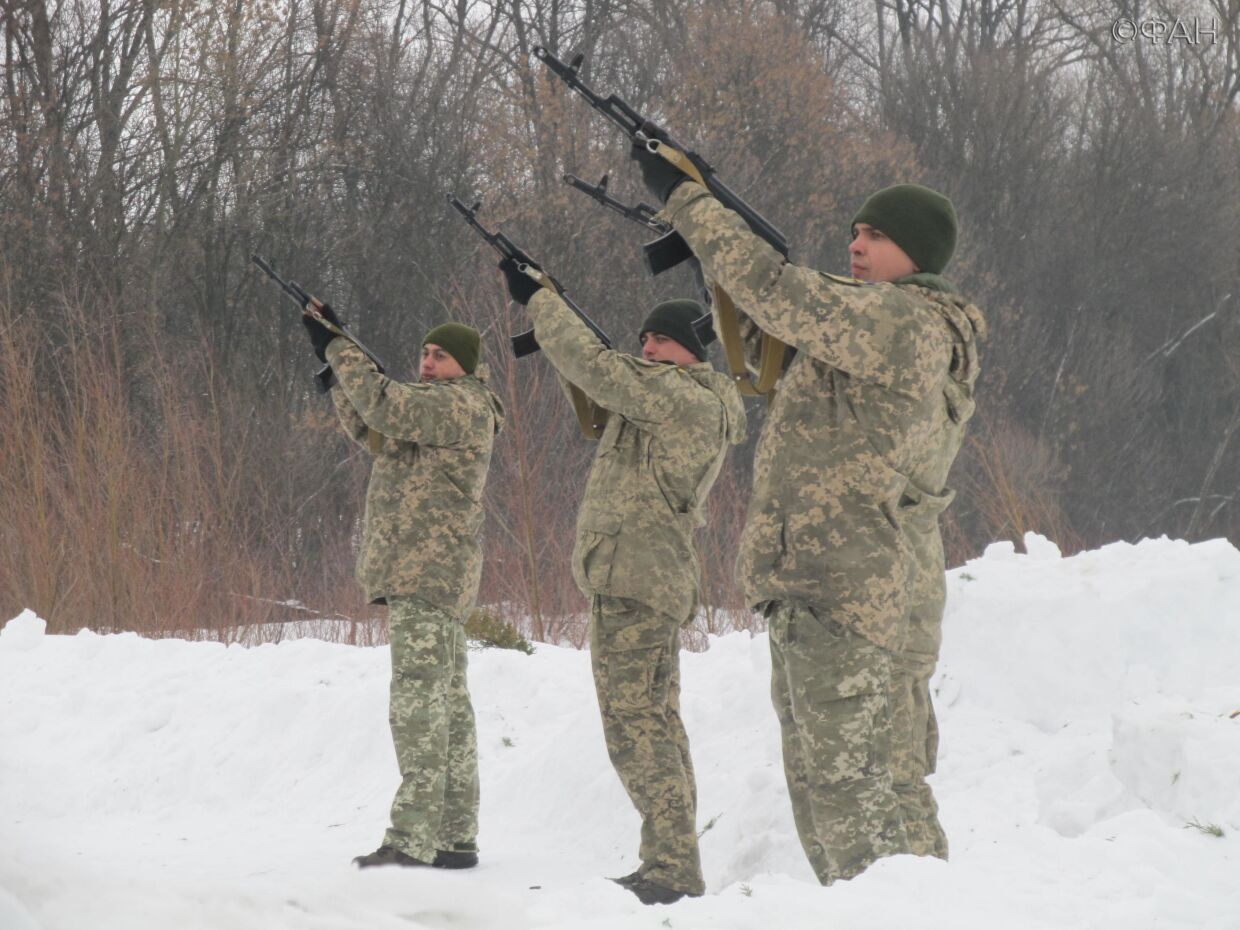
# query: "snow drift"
(1090, 760)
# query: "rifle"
(642, 213)
(590, 417)
(645, 215)
(313, 307)
(671, 249)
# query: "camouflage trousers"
(436, 805)
(831, 689)
(635, 653)
(915, 735)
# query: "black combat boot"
(387, 855)
(460, 856)
(649, 892)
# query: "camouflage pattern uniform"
(664, 443)
(421, 555)
(841, 544)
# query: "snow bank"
(1089, 756)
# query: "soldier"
(841, 546)
(421, 556)
(671, 419)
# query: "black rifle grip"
(524, 344)
(666, 252)
(325, 378)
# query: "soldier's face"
(875, 258)
(659, 348)
(438, 364)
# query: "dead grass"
(142, 510)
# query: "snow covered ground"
(1088, 708)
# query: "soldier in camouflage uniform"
(841, 545)
(671, 418)
(421, 555)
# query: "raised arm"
(350, 420)
(629, 386)
(873, 332)
(429, 413)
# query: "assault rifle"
(667, 252)
(590, 417)
(641, 213)
(644, 215)
(670, 249)
(524, 344)
(313, 307)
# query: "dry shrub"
(1008, 484)
(150, 510)
(490, 630)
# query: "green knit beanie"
(676, 319)
(460, 341)
(920, 221)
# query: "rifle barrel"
(619, 112)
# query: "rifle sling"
(772, 354)
(590, 417)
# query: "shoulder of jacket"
(846, 281)
(655, 372)
(710, 378)
(472, 391)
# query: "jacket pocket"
(922, 506)
(599, 535)
(611, 436)
(959, 400)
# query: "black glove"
(521, 287)
(319, 334)
(326, 311)
(660, 175)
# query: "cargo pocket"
(921, 506)
(610, 438)
(598, 549)
(836, 684)
(625, 625)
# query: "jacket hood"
(480, 375)
(968, 324)
(931, 282)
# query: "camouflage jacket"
(851, 467)
(666, 437)
(422, 534)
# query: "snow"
(1088, 708)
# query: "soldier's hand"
(659, 174)
(521, 287)
(319, 334)
(326, 311)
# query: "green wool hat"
(920, 221)
(460, 341)
(676, 319)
